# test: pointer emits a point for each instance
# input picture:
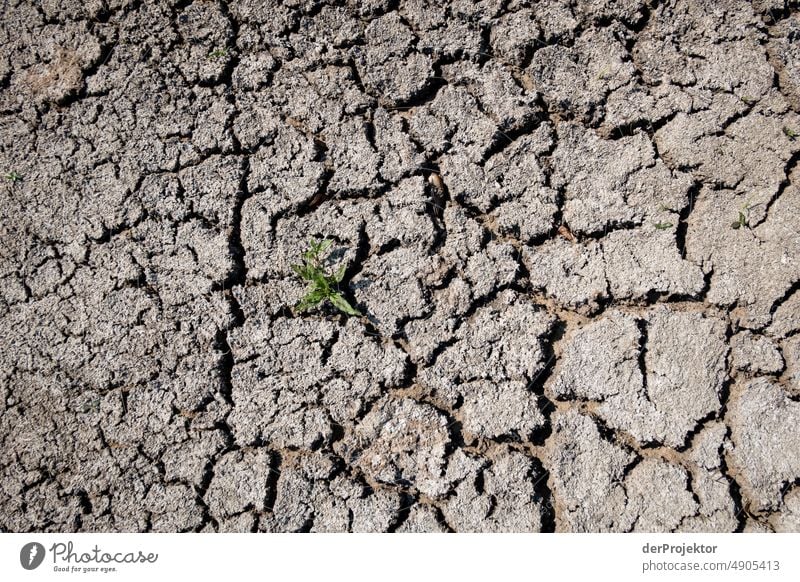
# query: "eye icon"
(31, 555)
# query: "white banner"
(400, 557)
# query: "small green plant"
(92, 405)
(13, 176)
(790, 133)
(323, 285)
(663, 225)
(741, 221)
(219, 53)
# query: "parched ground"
(573, 228)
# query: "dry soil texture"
(572, 227)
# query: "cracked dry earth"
(535, 202)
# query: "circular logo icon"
(31, 555)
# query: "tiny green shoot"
(216, 54)
(13, 176)
(322, 285)
(741, 221)
(790, 133)
(92, 405)
(663, 225)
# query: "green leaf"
(311, 299)
(663, 225)
(316, 294)
(319, 279)
(319, 247)
(301, 270)
(339, 274)
(342, 305)
(742, 220)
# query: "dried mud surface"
(535, 202)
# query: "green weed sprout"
(790, 133)
(216, 54)
(323, 286)
(742, 220)
(13, 176)
(663, 225)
